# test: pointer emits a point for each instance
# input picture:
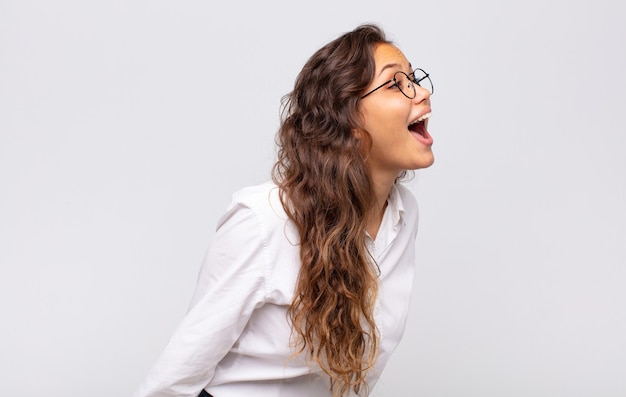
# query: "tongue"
(418, 128)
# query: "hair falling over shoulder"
(327, 192)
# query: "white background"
(125, 126)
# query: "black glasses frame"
(411, 78)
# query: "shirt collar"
(395, 205)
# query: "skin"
(387, 114)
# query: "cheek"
(392, 115)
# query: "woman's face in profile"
(397, 124)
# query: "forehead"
(386, 54)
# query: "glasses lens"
(423, 80)
(405, 84)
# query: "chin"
(431, 162)
(425, 162)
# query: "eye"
(401, 84)
(393, 84)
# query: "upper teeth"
(421, 118)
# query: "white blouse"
(234, 341)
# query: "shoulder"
(258, 216)
(261, 204)
(262, 199)
(257, 196)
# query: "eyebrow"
(391, 65)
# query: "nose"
(421, 94)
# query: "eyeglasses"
(406, 83)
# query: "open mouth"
(418, 128)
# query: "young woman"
(305, 289)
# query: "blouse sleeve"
(231, 284)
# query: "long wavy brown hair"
(327, 192)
